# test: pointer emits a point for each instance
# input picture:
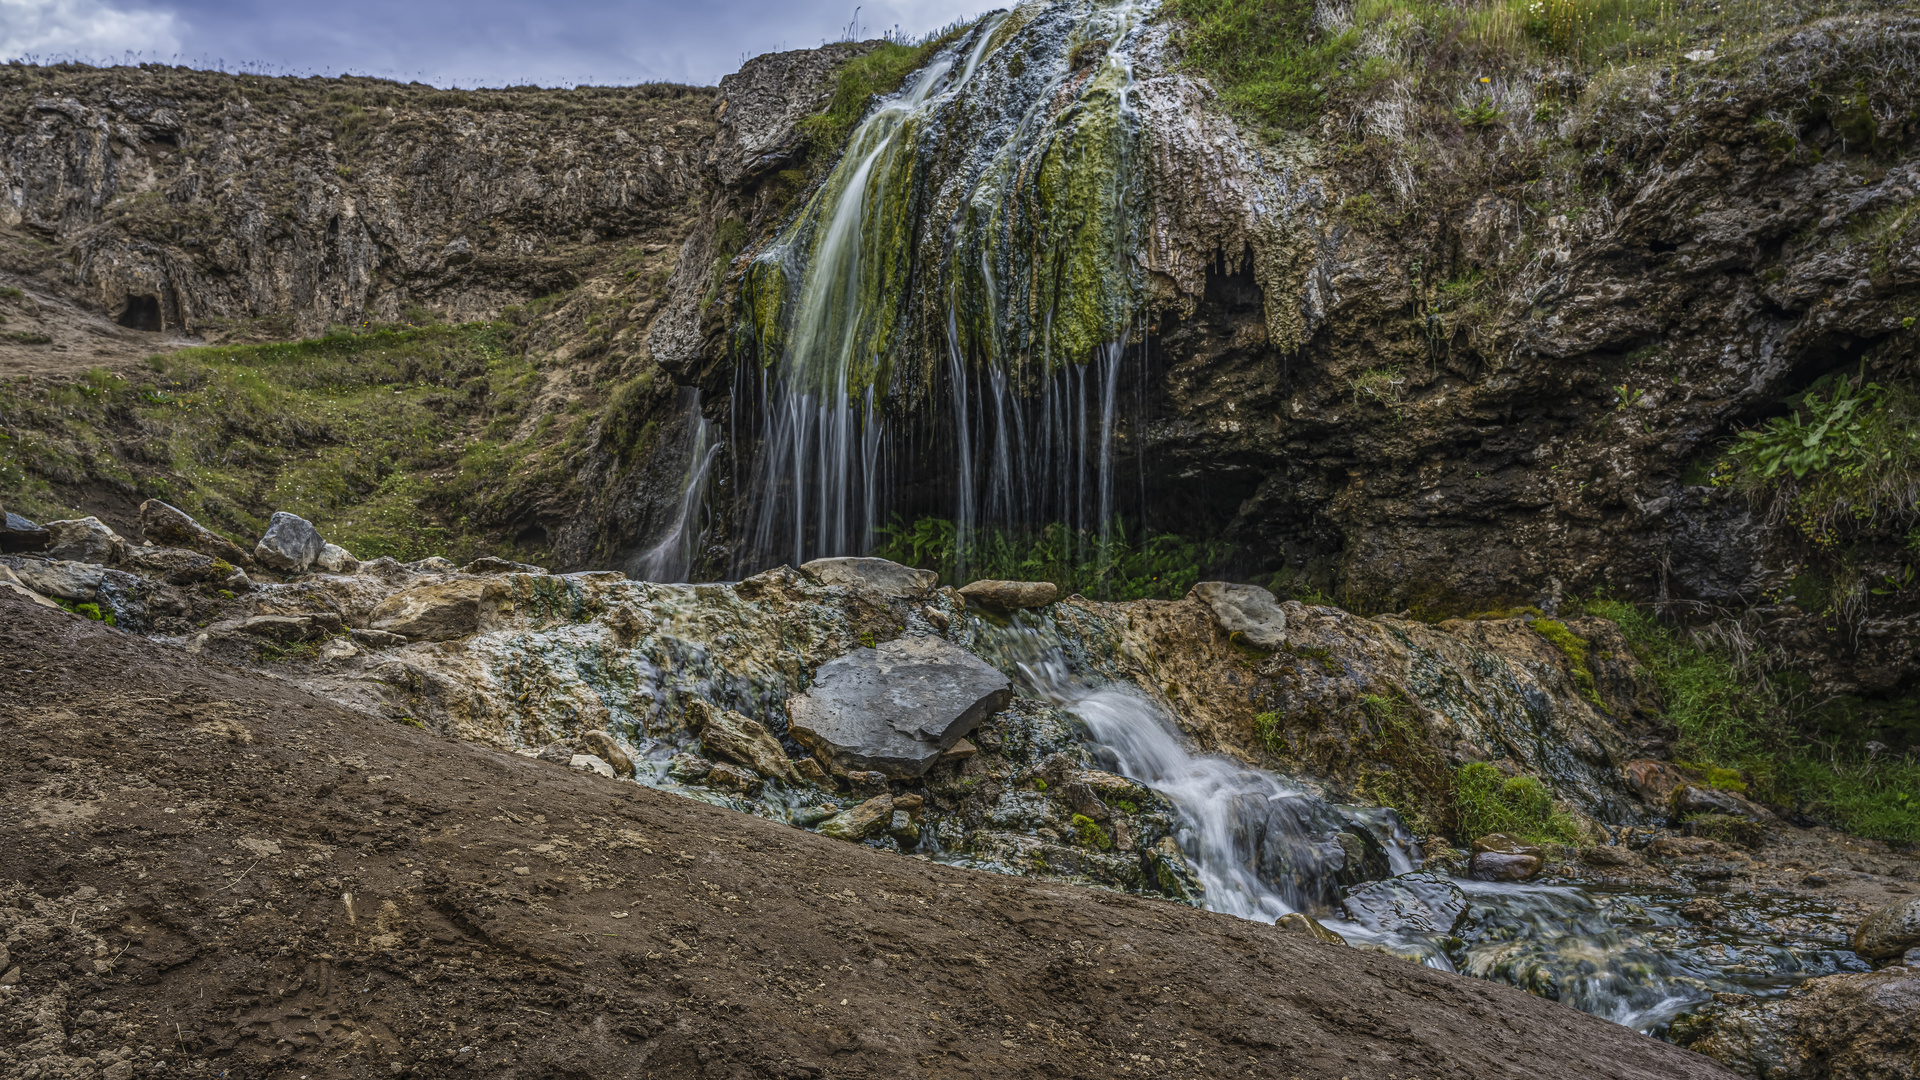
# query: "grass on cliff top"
(396, 442)
(874, 73)
(1730, 718)
(1158, 567)
(1275, 62)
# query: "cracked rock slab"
(897, 708)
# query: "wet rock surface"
(1890, 932)
(896, 708)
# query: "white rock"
(335, 559)
(591, 763)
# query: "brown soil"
(209, 868)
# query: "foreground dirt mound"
(211, 873)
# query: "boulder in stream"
(881, 575)
(895, 709)
(1419, 902)
(1499, 857)
(1888, 933)
(1248, 613)
(1299, 923)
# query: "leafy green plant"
(1846, 458)
(1486, 801)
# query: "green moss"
(89, 610)
(1090, 833)
(1574, 648)
(1486, 801)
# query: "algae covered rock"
(439, 611)
(1248, 613)
(863, 822)
(896, 708)
(1009, 596)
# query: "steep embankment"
(152, 208)
(303, 888)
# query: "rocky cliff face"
(181, 200)
(1477, 364)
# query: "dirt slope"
(210, 869)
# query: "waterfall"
(1261, 847)
(672, 557)
(960, 293)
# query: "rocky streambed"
(1223, 751)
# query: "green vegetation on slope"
(1163, 566)
(402, 442)
(1276, 63)
(1844, 461)
(1729, 719)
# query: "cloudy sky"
(457, 42)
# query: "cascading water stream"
(1263, 847)
(672, 557)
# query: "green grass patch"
(1122, 567)
(1487, 801)
(1733, 731)
(396, 441)
(1090, 834)
(877, 72)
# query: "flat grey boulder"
(1888, 933)
(1248, 613)
(1010, 596)
(291, 544)
(897, 708)
(18, 534)
(86, 540)
(76, 581)
(883, 576)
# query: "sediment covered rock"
(165, 524)
(1009, 596)
(883, 576)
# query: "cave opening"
(141, 313)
